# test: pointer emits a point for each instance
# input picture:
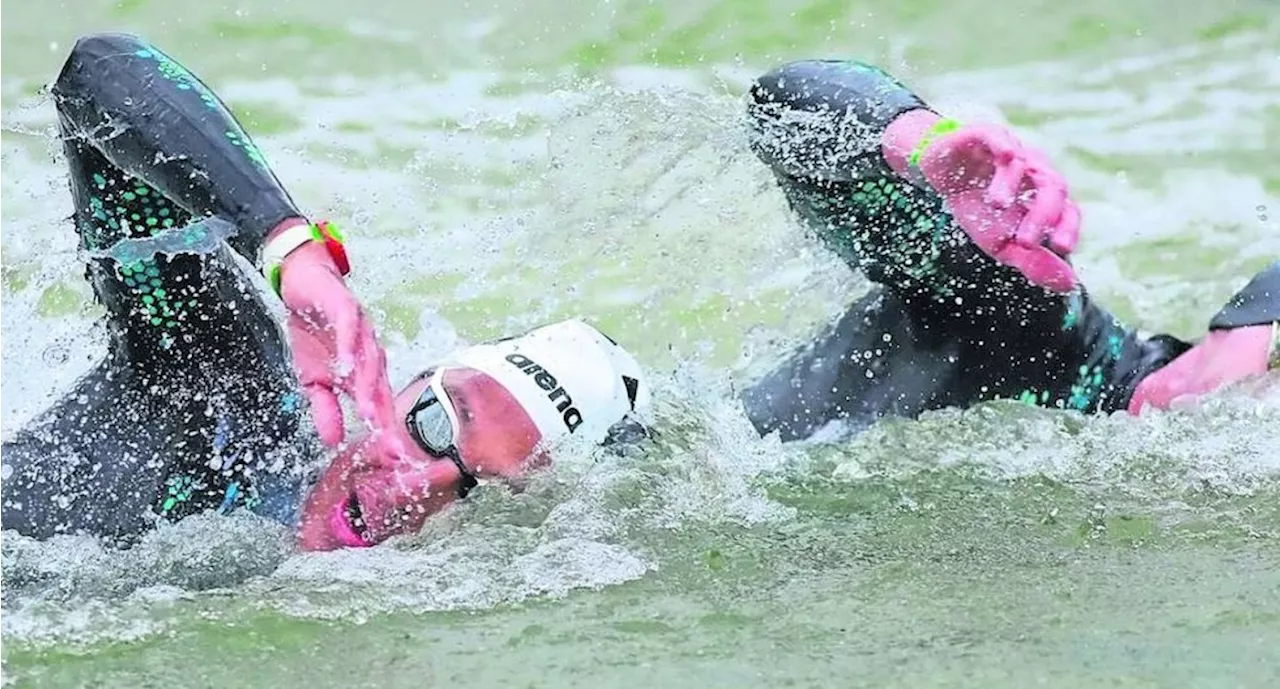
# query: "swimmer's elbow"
(92, 55)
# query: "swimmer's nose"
(818, 118)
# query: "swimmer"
(199, 405)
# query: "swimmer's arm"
(151, 117)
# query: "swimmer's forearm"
(157, 121)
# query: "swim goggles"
(433, 423)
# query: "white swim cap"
(570, 378)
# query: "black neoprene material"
(1257, 304)
(195, 407)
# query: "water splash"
(199, 238)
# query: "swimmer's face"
(366, 495)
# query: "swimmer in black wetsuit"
(965, 232)
(199, 405)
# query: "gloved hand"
(334, 347)
(1007, 197)
(1221, 358)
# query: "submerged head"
(489, 411)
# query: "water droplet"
(56, 354)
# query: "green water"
(502, 164)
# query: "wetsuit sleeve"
(196, 406)
(902, 237)
(149, 150)
(818, 124)
(883, 358)
(155, 120)
(948, 325)
(965, 327)
(1257, 304)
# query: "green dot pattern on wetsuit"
(164, 292)
(180, 489)
(186, 81)
(901, 235)
(1090, 384)
(884, 227)
(129, 208)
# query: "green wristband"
(945, 125)
(274, 253)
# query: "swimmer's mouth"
(355, 518)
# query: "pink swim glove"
(334, 347)
(1221, 358)
(1007, 197)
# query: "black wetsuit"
(947, 325)
(195, 407)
